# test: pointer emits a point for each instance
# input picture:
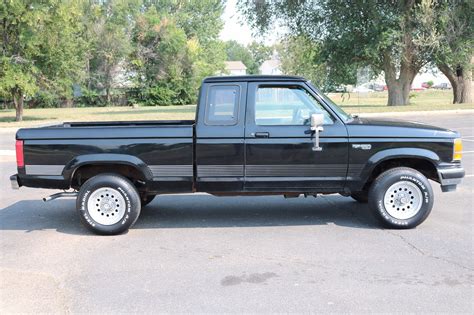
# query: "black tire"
(360, 196)
(123, 205)
(146, 199)
(404, 202)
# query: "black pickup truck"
(253, 135)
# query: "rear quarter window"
(222, 105)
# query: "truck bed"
(163, 150)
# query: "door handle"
(261, 134)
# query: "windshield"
(339, 111)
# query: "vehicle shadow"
(199, 211)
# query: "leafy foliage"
(385, 35)
(164, 47)
(252, 56)
(300, 55)
(453, 44)
(173, 53)
(39, 48)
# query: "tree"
(238, 52)
(301, 56)
(159, 57)
(453, 53)
(379, 34)
(175, 46)
(252, 56)
(259, 53)
(107, 29)
(39, 48)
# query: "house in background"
(235, 68)
(271, 67)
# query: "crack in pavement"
(425, 254)
(411, 245)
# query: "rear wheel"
(108, 204)
(401, 198)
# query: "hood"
(377, 127)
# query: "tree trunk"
(398, 88)
(107, 93)
(399, 93)
(18, 101)
(68, 103)
(461, 82)
(466, 95)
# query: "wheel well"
(423, 166)
(83, 173)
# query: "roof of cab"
(250, 78)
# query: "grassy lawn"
(352, 103)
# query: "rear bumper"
(14, 182)
(450, 176)
(38, 181)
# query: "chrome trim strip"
(220, 170)
(44, 169)
(301, 179)
(171, 170)
(298, 170)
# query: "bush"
(162, 95)
(90, 98)
(44, 99)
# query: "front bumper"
(450, 176)
(14, 182)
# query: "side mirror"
(317, 121)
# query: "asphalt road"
(198, 253)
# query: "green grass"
(352, 103)
(376, 102)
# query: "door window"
(287, 106)
(222, 105)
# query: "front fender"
(106, 158)
(397, 153)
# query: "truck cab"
(253, 134)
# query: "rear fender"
(107, 158)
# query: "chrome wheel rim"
(403, 200)
(106, 206)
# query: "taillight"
(457, 149)
(20, 161)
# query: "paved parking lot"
(198, 253)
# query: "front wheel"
(108, 204)
(401, 198)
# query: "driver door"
(279, 153)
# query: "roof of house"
(235, 65)
(232, 78)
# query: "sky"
(236, 28)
